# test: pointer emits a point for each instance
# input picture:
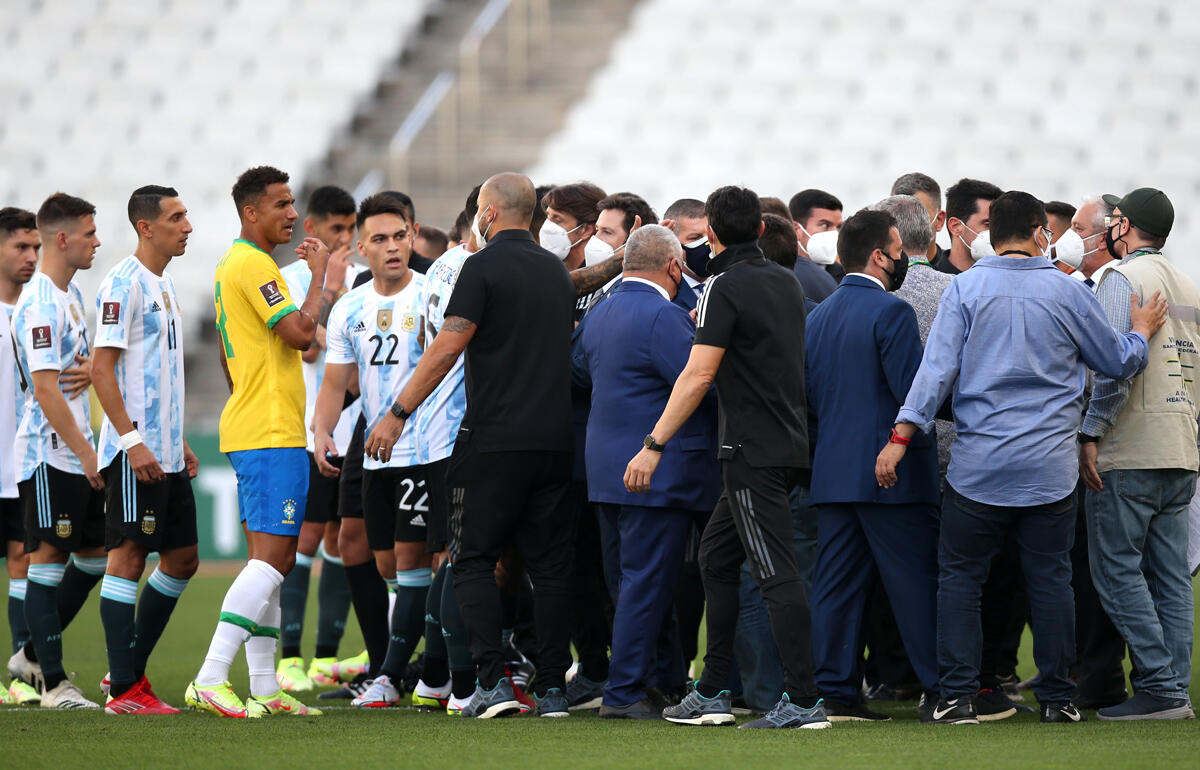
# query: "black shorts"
(61, 509)
(12, 524)
(395, 506)
(322, 503)
(350, 496)
(159, 517)
(437, 535)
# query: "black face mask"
(899, 271)
(696, 258)
(1111, 242)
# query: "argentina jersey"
(299, 277)
(440, 416)
(12, 400)
(138, 312)
(49, 326)
(380, 336)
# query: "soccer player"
(330, 219)
(19, 244)
(59, 478)
(262, 432)
(137, 370)
(374, 331)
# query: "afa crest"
(289, 509)
(149, 523)
(63, 528)
(409, 323)
(383, 319)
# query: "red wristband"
(896, 438)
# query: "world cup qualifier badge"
(110, 313)
(289, 511)
(63, 528)
(271, 293)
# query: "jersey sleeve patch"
(110, 313)
(271, 293)
(41, 337)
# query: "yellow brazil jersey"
(266, 409)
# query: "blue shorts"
(272, 488)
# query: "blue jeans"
(971, 534)
(1137, 538)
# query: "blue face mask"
(696, 255)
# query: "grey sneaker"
(552, 704)
(583, 693)
(788, 716)
(695, 709)
(1143, 705)
(496, 702)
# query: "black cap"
(1147, 208)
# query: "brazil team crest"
(383, 319)
(63, 528)
(289, 510)
(409, 323)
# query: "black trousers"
(591, 606)
(498, 498)
(1099, 646)
(753, 520)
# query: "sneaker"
(426, 697)
(521, 668)
(552, 704)
(320, 671)
(66, 695)
(24, 669)
(956, 711)
(1011, 686)
(291, 675)
(695, 709)
(1143, 705)
(22, 694)
(381, 694)
(788, 716)
(582, 693)
(455, 706)
(837, 711)
(220, 699)
(993, 705)
(1062, 712)
(139, 699)
(348, 670)
(880, 692)
(496, 702)
(277, 704)
(350, 691)
(106, 684)
(5, 698)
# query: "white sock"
(244, 606)
(391, 599)
(260, 652)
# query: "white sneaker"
(380, 694)
(454, 706)
(105, 685)
(20, 667)
(424, 696)
(66, 696)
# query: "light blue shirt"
(1010, 342)
(439, 417)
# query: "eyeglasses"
(1112, 219)
(1046, 231)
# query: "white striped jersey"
(12, 401)
(380, 335)
(299, 278)
(439, 418)
(50, 328)
(138, 312)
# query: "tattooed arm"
(588, 279)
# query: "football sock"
(408, 620)
(369, 594)
(391, 608)
(78, 580)
(118, 599)
(41, 614)
(244, 607)
(458, 644)
(293, 597)
(16, 613)
(333, 606)
(158, 601)
(435, 671)
(260, 650)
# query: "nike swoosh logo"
(938, 713)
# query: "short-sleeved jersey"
(441, 414)
(50, 329)
(12, 399)
(299, 278)
(266, 409)
(380, 336)
(138, 312)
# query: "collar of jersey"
(251, 245)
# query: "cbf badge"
(149, 523)
(383, 319)
(289, 510)
(63, 528)
(409, 323)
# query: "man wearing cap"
(1137, 455)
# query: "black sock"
(436, 670)
(454, 632)
(73, 592)
(45, 631)
(117, 608)
(333, 607)
(16, 622)
(157, 602)
(408, 621)
(707, 691)
(804, 701)
(462, 683)
(293, 596)
(369, 595)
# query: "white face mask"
(980, 247)
(597, 251)
(822, 247)
(480, 238)
(1068, 249)
(557, 240)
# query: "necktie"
(1089, 282)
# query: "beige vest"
(1157, 426)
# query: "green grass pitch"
(33, 738)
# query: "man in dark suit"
(864, 348)
(633, 346)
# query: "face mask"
(1068, 249)
(555, 239)
(695, 256)
(1110, 241)
(899, 270)
(822, 247)
(980, 247)
(596, 251)
(480, 238)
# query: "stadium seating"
(101, 96)
(1065, 99)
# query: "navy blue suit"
(632, 347)
(863, 350)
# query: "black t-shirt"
(942, 263)
(754, 309)
(518, 363)
(419, 263)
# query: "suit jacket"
(632, 348)
(863, 349)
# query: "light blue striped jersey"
(138, 312)
(439, 418)
(12, 401)
(50, 328)
(380, 335)
(299, 278)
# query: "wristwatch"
(1086, 439)
(653, 445)
(399, 412)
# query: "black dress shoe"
(642, 709)
(837, 711)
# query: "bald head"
(650, 248)
(512, 196)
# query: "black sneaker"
(1011, 686)
(880, 692)
(956, 711)
(1144, 705)
(552, 704)
(355, 688)
(1062, 712)
(993, 705)
(837, 711)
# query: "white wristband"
(130, 440)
